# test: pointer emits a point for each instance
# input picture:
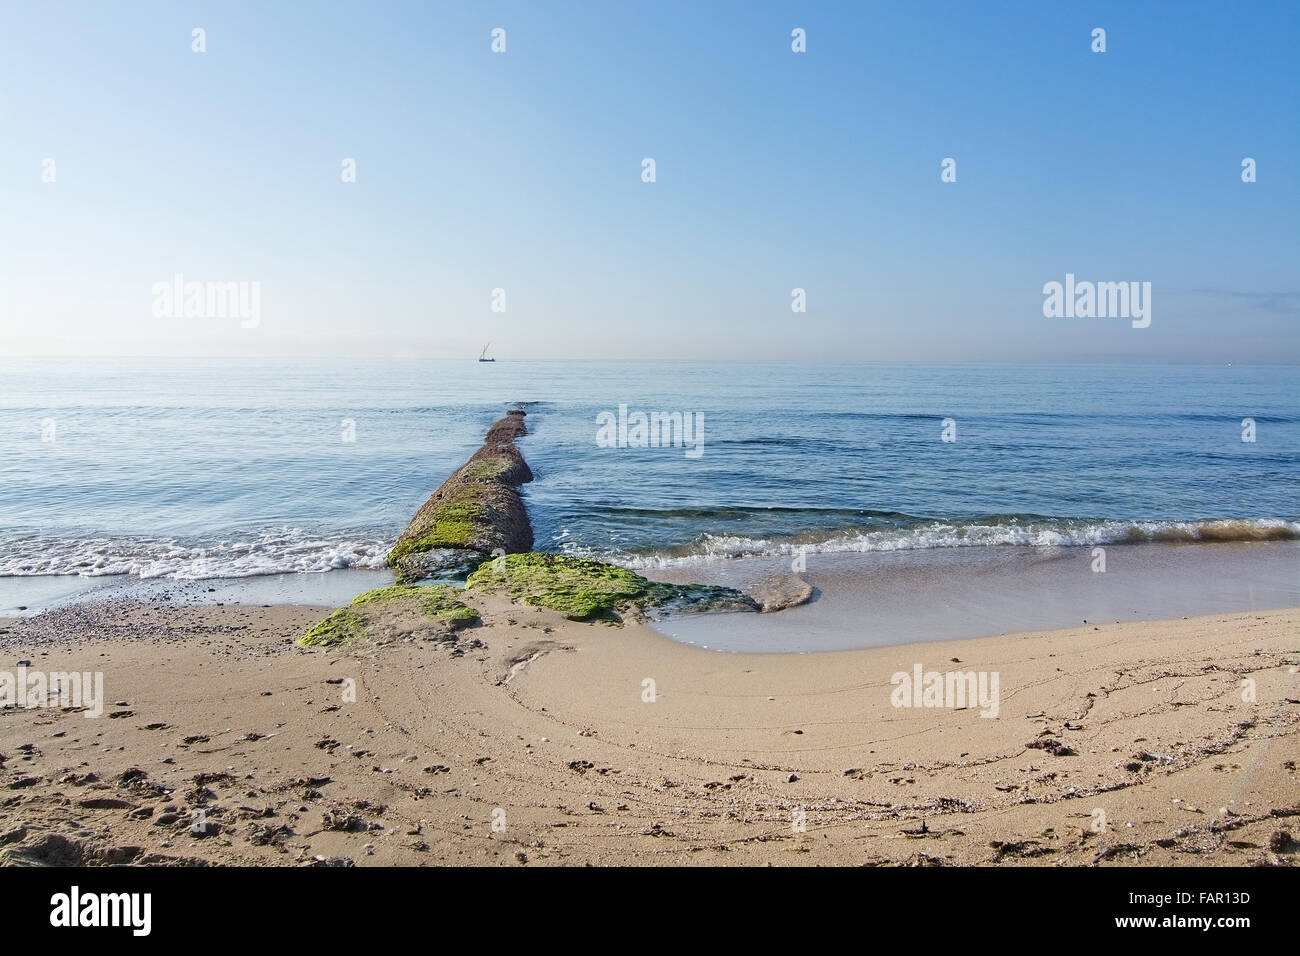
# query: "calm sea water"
(205, 469)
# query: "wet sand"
(902, 597)
(32, 595)
(532, 740)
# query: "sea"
(192, 470)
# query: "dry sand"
(540, 725)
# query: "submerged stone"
(443, 563)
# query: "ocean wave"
(291, 550)
(993, 532)
(283, 551)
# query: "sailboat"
(482, 355)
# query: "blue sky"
(775, 170)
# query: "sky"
(522, 171)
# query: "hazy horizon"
(283, 357)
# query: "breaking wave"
(988, 532)
(283, 551)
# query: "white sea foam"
(290, 550)
(282, 551)
(1042, 533)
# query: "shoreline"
(860, 601)
(898, 598)
(546, 720)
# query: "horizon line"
(12, 357)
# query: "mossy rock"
(476, 511)
(584, 590)
(451, 526)
(467, 521)
(342, 627)
(487, 469)
(348, 624)
(440, 605)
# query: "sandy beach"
(535, 740)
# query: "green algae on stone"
(476, 513)
(341, 627)
(583, 590)
(346, 625)
(452, 525)
(437, 601)
(385, 594)
(440, 604)
(486, 469)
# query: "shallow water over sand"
(872, 600)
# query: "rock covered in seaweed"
(584, 590)
(399, 610)
(475, 513)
